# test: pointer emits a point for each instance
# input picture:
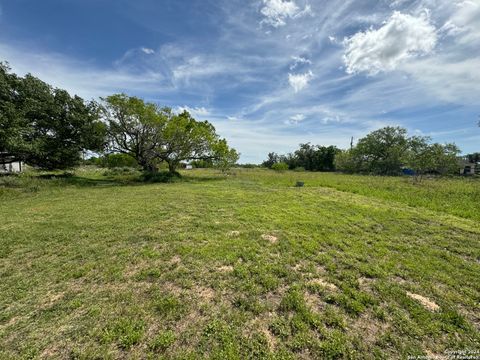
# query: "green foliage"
(473, 158)
(152, 135)
(118, 160)
(45, 126)
(382, 151)
(345, 161)
(386, 151)
(162, 341)
(281, 166)
(424, 157)
(308, 157)
(225, 157)
(160, 176)
(272, 158)
(126, 332)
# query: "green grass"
(101, 265)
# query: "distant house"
(188, 167)
(9, 165)
(470, 169)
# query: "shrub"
(119, 160)
(160, 176)
(280, 166)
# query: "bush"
(118, 160)
(281, 166)
(160, 177)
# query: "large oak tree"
(153, 135)
(45, 126)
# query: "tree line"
(387, 151)
(307, 157)
(48, 128)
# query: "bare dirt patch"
(225, 268)
(206, 294)
(399, 280)
(365, 283)
(175, 260)
(234, 233)
(272, 342)
(273, 239)
(426, 302)
(370, 328)
(314, 301)
(324, 283)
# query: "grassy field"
(99, 265)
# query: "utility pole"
(351, 143)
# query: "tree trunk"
(172, 167)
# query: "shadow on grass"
(137, 179)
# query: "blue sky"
(269, 74)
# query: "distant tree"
(473, 158)
(310, 157)
(382, 151)
(346, 161)
(45, 126)
(314, 158)
(424, 157)
(225, 157)
(272, 158)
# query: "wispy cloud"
(324, 72)
(147, 51)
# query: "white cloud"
(276, 12)
(148, 51)
(299, 81)
(401, 37)
(299, 60)
(195, 111)
(333, 39)
(295, 119)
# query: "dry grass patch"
(271, 238)
(426, 302)
(370, 329)
(234, 233)
(175, 260)
(225, 268)
(204, 293)
(323, 283)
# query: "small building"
(9, 165)
(470, 169)
(188, 167)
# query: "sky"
(269, 74)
